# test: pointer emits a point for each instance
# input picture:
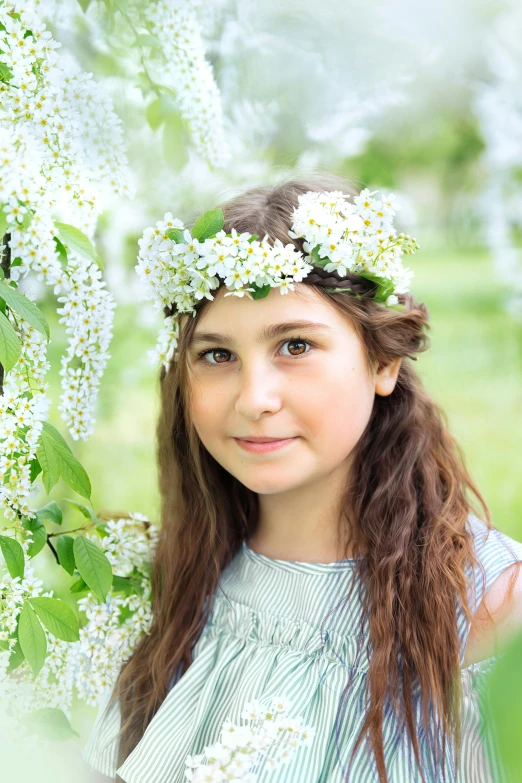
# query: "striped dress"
(278, 630)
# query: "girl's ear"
(386, 377)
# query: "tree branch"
(6, 268)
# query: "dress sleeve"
(101, 750)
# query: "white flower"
(241, 747)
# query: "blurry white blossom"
(268, 736)
(499, 109)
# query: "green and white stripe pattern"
(280, 629)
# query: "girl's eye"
(294, 340)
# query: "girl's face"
(263, 376)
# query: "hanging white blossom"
(178, 31)
(499, 110)
(61, 146)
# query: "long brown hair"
(406, 507)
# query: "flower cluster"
(357, 237)
(178, 268)
(113, 628)
(178, 31)
(58, 118)
(110, 630)
(24, 407)
(268, 736)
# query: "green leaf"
(153, 114)
(32, 638)
(176, 234)
(144, 40)
(144, 84)
(318, 261)
(23, 306)
(120, 584)
(137, 585)
(50, 723)
(26, 220)
(16, 262)
(260, 292)
(62, 253)
(14, 556)
(35, 470)
(87, 512)
(501, 710)
(174, 143)
(57, 459)
(51, 512)
(208, 224)
(49, 460)
(16, 658)
(125, 614)
(5, 72)
(76, 363)
(93, 566)
(39, 536)
(65, 552)
(58, 618)
(78, 242)
(3, 223)
(84, 4)
(79, 587)
(385, 286)
(10, 345)
(127, 585)
(170, 108)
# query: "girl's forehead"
(299, 303)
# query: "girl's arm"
(503, 601)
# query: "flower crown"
(179, 267)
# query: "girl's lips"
(261, 448)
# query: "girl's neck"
(302, 524)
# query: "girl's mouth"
(256, 447)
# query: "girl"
(333, 571)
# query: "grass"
(474, 370)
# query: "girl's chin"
(270, 484)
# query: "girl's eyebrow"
(267, 333)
